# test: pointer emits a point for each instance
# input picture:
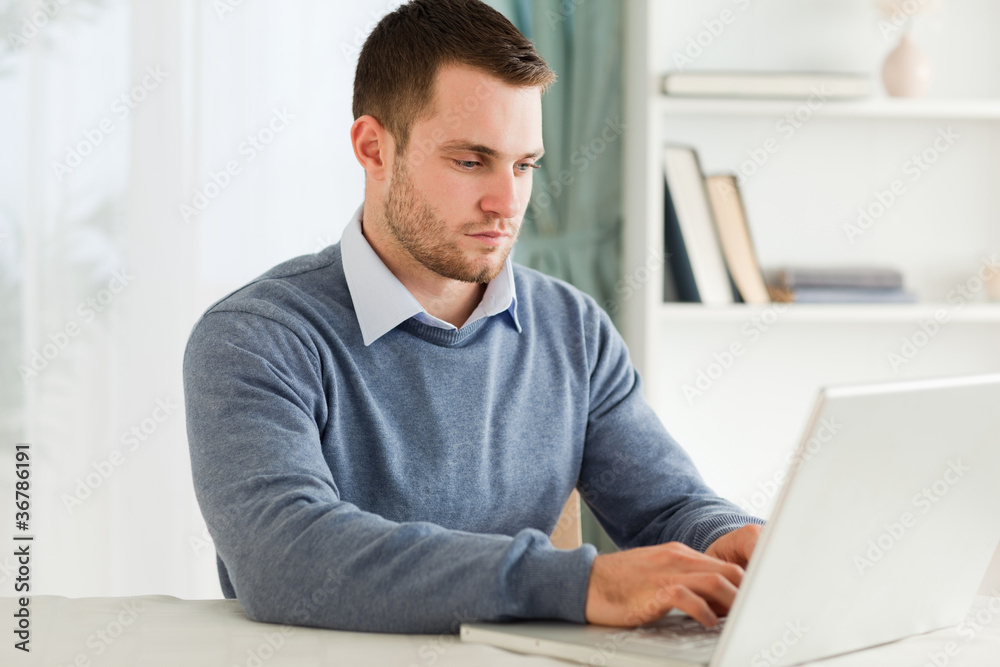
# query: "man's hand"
(736, 546)
(638, 586)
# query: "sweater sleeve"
(641, 485)
(298, 554)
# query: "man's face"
(458, 194)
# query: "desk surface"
(158, 630)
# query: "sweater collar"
(382, 303)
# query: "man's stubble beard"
(414, 227)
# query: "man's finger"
(718, 591)
(683, 598)
(691, 561)
(736, 546)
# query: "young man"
(383, 434)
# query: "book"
(734, 235)
(691, 243)
(841, 295)
(794, 85)
(872, 277)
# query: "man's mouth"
(490, 238)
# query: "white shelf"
(688, 313)
(878, 107)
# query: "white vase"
(907, 71)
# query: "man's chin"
(481, 274)
(469, 266)
(486, 275)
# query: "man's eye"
(525, 166)
(467, 164)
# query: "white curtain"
(154, 155)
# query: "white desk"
(158, 630)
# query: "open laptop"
(884, 529)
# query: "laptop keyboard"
(681, 633)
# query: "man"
(383, 434)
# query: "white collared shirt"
(382, 302)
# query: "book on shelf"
(711, 258)
(838, 285)
(782, 85)
(734, 235)
(873, 277)
(841, 295)
(696, 269)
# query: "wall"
(102, 270)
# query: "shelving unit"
(800, 203)
(840, 313)
(957, 109)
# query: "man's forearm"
(337, 567)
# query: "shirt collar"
(382, 303)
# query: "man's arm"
(645, 491)
(295, 551)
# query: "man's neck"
(452, 301)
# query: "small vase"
(907, 71)
(993, 287)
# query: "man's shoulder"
(302, 299)
(283, 285)
(539, 290)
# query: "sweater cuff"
(715, 527)
(552, 583)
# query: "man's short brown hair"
(394, 80)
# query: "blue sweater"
(411, 485)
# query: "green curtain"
(572, 229)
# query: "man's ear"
(373, 147)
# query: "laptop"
(884, 528)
